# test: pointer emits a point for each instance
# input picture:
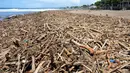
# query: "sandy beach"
(112, 13)
(77, 41)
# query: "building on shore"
(125, 4)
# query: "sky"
(42, 3)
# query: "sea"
(4, 13)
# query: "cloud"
(61, 1)
(42, 3)
(46, 0)
(75, 1)
(87, 1)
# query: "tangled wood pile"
(62, 42)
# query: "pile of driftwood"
(61, 42)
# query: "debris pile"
(62, 42)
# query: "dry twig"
(39, 66)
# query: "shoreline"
(8, 13)
(26, 10)
(125, 14)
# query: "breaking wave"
(25, 10)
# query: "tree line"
(112, 4)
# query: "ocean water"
(4, 13)
(7, 14)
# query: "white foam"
(25, 10)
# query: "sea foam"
(25, 10)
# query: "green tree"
(115, 1)
(84, 6)
(98, 3)
(108, 3)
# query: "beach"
(112, 13)
(82, 41)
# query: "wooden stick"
(61, 53)
(47, 45)
(101, 51)
(24, 30)
(71, 68)
(3, 54)
(60, 57)
(76, 43)
(25, 61)
(72, 36)
(123, 45)
(82, 71)
(87, 68)
(126, 58)
(18, 64)
(104, 44)
(96, 30)
(68, 53)
(15, 63)
(91, 34)
(33, 63)
(48, 26)
(121, 66)
(119, 21)
(95, 48)
(16, 42)
(39, 66)
(41, 37)
(73, 51)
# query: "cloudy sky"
(42, 3)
